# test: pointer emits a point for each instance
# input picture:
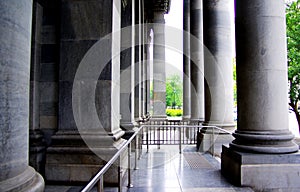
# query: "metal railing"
(177, 135)
(151, 135)
(98, 178)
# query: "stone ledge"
(263, 172)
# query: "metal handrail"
(98, 178)
(99, 175)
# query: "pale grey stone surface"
(15, 37)
(70, 158)
(159, 65)
(218, 62)
(262, 78)
(263, 172)
(186, 61)
(197, 61)
(127, 68)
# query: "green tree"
(174, 91)
(234, 81)
(293, 45)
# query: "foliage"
(174, 91)
(293, 45)
(234, 81)
(174, 112)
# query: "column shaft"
(197, 61)
(138, 62)
(262, 78)
(127, 67)
(218, 63)
(15, 38)
(36, 138)
(159, 68)
(186, 61)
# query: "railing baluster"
(136, 152)
(100, 185)
(180, 141)
(129, 166)
(213, 140)
(147, 140)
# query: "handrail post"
(180, 147)
(120, 178)
(136, 152)
(141, 144)
(213, 142)
(100, 185)
(147, 139)
(129, 167)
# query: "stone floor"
(165, 170)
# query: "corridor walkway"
(165, 170)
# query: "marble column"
(138, 62)
(261, 156)
(86, 139)
(127, 67)
(218, 63)
(15, 37)
(144, 60)
(36, 139)
(148, 68)
(186, 61)
(197, 62)
(159, 68)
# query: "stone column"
(261, 156)
(127, 67)
(144, 61)
(218, 64)
(148, 68)
(138, 63)
(186, 61)
(197, 62)
(36, 139)
(159, 68)
(89, 92)
(15, 37)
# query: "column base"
(127, 126)
(228, 126)
(272, 142)
(186, 118)
(28, 181)
(212, 141)
(72, 160)
(37, 151)
(263, 172)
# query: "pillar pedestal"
(261, 171)
(70, 153)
